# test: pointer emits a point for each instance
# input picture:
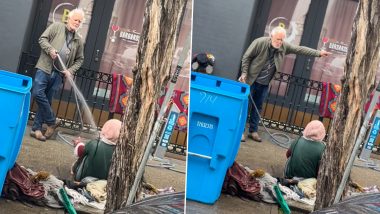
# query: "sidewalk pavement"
(270, 157)
(56, 157)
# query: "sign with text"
(172, 119)
(371, 139)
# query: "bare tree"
(359, 78)
(152, 71)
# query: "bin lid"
(15, 82)
(219, 85)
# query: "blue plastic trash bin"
(15, 96)
(217, 116)
(240, 129)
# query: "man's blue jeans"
(258, 92)
(44, 87)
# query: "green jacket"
(257, 54)
(304, 159)
(53, 38)
(96, 160)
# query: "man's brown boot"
(255, 136)
(50, 129)
(38, 135)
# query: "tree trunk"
(359, 78)
(152, 71)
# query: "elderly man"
(262, 59)
(63, 40)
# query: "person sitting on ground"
(306, 152)
(94, 157)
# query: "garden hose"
(280, 200)
(284, 144)
(66, 201)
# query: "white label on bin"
(207, 98)
(205, 125)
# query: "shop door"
(301, 19)
(93, 29)
(93, 32)
(319, 25)
(315, 24)
(110, 32)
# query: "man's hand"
(53, 54)
(243, 78)
(324, 53)
(67, 74)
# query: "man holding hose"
(63, 40)
(263, 58)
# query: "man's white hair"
(277, 30)
(77, 11)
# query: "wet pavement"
(270, 157)
(56, 157)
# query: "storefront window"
(124, 32)
(335, 37)
(290, 15)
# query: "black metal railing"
(292, 103)
(96, 89)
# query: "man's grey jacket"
(256, 56)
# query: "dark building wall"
(17, 18)
(222, 28)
